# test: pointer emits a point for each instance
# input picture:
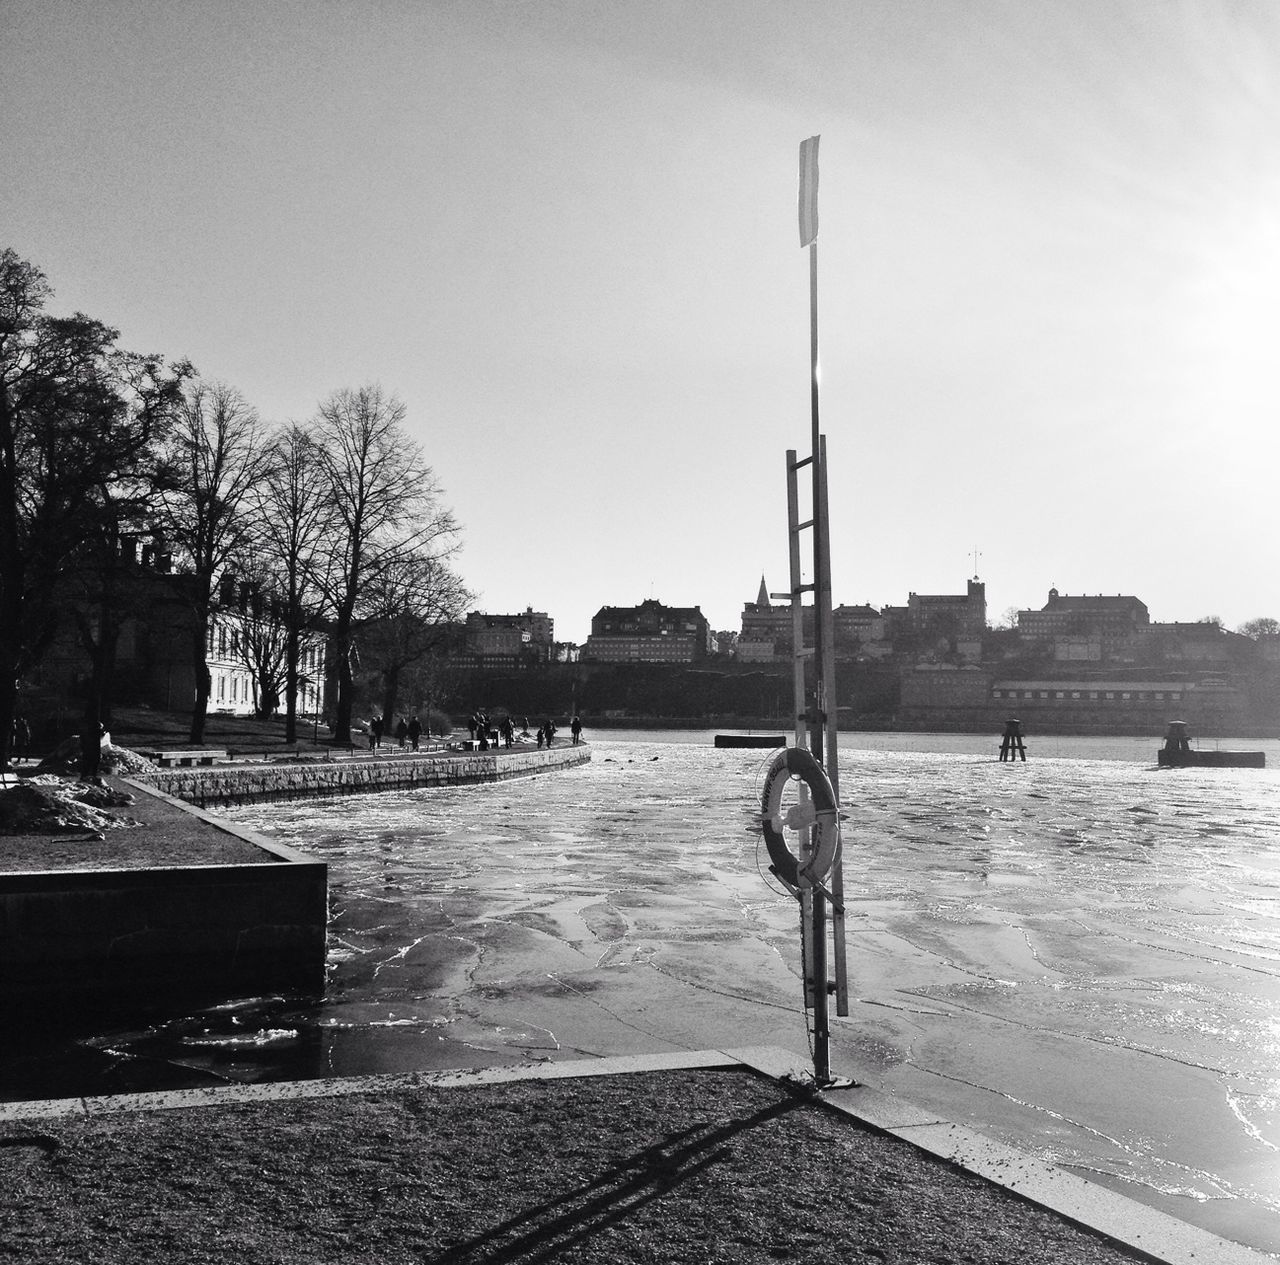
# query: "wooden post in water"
(1011, 745)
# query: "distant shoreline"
(784, 725)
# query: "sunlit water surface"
(1078, 955)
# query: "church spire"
(763, 599)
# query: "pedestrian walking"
(21, 738)
(415, 732)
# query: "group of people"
(479, 728)
(408, 733)
(548, 731)
(486, 733)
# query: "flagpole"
(816, 727)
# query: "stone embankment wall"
(241, 783)
(95, 938)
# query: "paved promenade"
(708, 1156)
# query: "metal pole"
(815, 722)
(797, 607)
(814, 903)
(833, 760)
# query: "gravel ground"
(164, 835)
(707, 1166)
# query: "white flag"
(808, 191)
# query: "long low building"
(975, 698)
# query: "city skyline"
(565, 235)
(995, 619)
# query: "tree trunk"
(291, 652)
(8, 711)
(204, 683)
(11, 578)
(390, 697)
(342, 714)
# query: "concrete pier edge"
(100, 933)
(240, 783)
(1156, 1235)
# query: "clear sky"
(564, 233)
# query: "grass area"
(137, 727)
(140, 727)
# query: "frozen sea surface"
(1078, 956)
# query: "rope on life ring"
(822, 814)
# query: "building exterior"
(1122, 703)
(511, 640)
(1195, 643)
(859, 629)
(648, 633)
(948, 615)
(153, 658)
(767, 633)
(237, 641)
(766, 629)
(1086, 627)
(974, 698)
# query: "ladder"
(816, 729)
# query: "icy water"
(1079, 955)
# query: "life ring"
(823, 815)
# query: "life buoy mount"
(821, 813)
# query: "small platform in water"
(751, 740)
(1211, 759)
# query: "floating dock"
(1211, 759)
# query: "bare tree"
(261, 637)
(1263, 626)
(386, 507)
(214, 458)
(413, 610)
(294, 514)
